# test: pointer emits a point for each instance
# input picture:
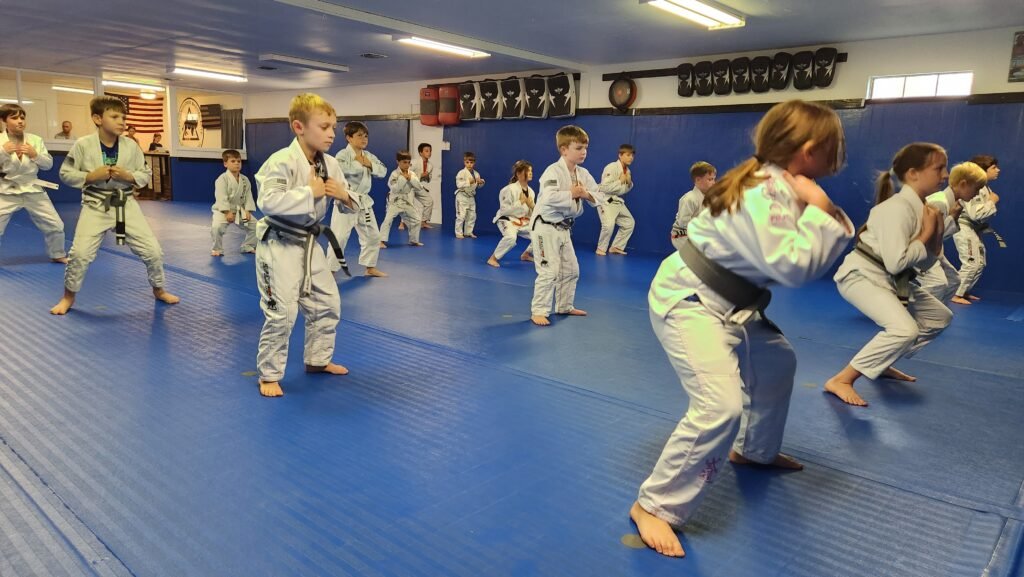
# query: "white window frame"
(905, 77)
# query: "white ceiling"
(139, 39)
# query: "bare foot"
(657, 534)
(973, 297)
(216, 253)
(415, 244)
(781, 462)
(493, 262)
(845, 392)
(271, 389)
(459, 236)
(65, 304)
(600, 252)
(425, 225)
(383, 244)
(960, 301)
(165, 297)
(614, 250)
(897, 375)
(372, 271)
(540, 320)
(526, 257)
(330, 368)
(575, 313)
(401, 226)
(470, 235)
(61, 260)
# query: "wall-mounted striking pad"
(562, 93)
(469, 100)
(803, 73)
(760, 70)
(702, 78)
(722, 76)
(686, 84)
(740, 75)
(490, 100)
(513, 98)
(825, 67)
(779, 79)
(536, 97)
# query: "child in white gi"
(564, 186)
(425, 172)
(766, 221)
(233, 205)
(515, 205)
(973, 223)
(965, 181)
(403, 184)
(703, 176)
(902, 234)
(108, 167)
(467, 181)
(297, 185)
(22, 155)
(616, 181)
(359, 167)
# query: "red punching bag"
(428, 106)
(448, 105)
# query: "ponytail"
(883, 187)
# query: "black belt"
(307, 235)
(742, 294)
(116, 199)
(984, 228)
(561, 225)
(901, 280)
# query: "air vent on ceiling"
(268, 67)
(373, 55)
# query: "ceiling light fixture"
(120, 84)
(148, 96)
(206, 74)
(15, 101)
(303, 62)
(440, 46)
(702, 13)
(70, 89)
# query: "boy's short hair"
(354, 127)
(626, 148)
(229, 154)
(701, 169)
(305, 104)
(9, 110)
(468, 156)
(101, 104)
(403, 155)
(423, 145)
(566, 135)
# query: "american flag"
(147, 116)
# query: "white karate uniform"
(512, 218)
(614, 212)
(423, 195)
(364, 221)
(891, 228)
(235, 196)
(96, 219)
(554, 256)
(690, 204)
(19, 189)
(968, 242)
(465, 202)
(401, 202)
(941, 279)
(292, 274)
(739, 377)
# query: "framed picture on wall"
(1017, 58)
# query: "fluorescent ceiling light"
(120, 84)
(148, 96)
(441, 46)
(701, 13)
(303, 62)
(75, 90)
(15, 101)
(207, 74)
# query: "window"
(55, 101)
(921, 85)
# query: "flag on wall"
(147, 116)
(211, 116)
